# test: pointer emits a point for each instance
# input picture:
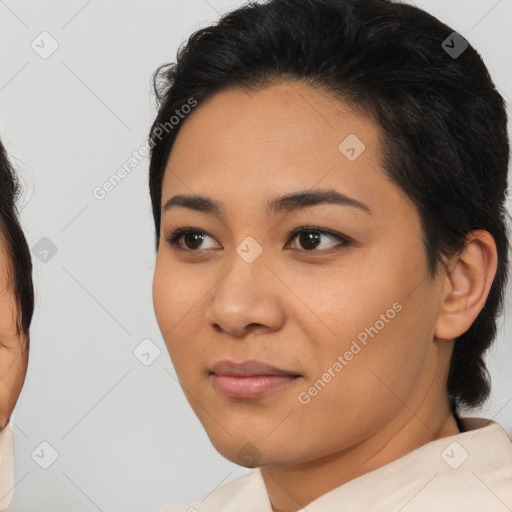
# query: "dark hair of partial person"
(444, 124)
(19, 262)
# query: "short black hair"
(444, 123)
(19, 262)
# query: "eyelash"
(174, 238)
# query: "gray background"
(125, 436)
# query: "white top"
(470, 471)
(6, 467)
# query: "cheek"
(13, 369)
(177, 302)
(173, 296)
(376, 318)
(342, 304)
(161, 297)
(368, 386)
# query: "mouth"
(250, 379)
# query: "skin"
(297, 306)
(13, 354)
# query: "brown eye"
(192, 238)
(310, 238)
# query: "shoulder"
(247, 486)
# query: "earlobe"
(466, 285)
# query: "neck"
(291, 488)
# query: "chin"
(252, 451)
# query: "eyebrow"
(282, 204)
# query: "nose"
(248, 297)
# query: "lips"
(248, 369)
(249, 379)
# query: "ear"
(466, 285)
(13, 347)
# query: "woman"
(16, 308)
(328, 183)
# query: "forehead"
(241, 144)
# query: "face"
(13, 354)
(344, 308)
